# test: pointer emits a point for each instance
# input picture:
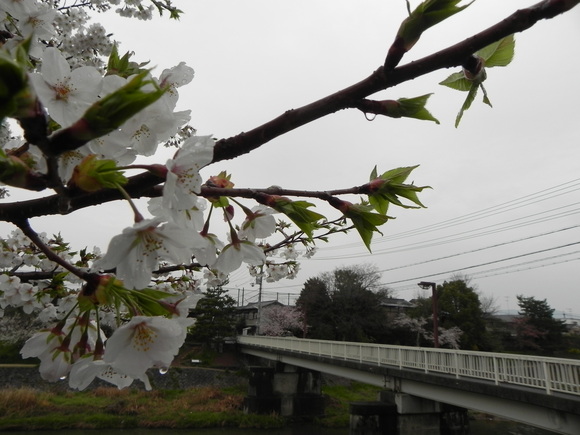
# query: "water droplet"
(163, 370)
(62, 378)
(370, 116)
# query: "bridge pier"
(404, 414)
(285, 389)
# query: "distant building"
(247, 316)
(395, 307)
(572, 325)
(503, 324)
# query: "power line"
(480, 249)
(453, 238)
(474, 216)
(486, 264)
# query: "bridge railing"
(549, 374)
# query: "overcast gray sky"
(506, 183)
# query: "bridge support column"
(403, 414)
(418, 416)
(286, 390)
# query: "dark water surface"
(477, 427)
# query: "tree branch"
(453, 56)
(139, 187)
(144, 184)
(24, 225)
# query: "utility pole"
(425, 285)
(259, 282)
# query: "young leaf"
(390, 187)
(297, 211)
(415, 108)
(365, 221)
(457, 81)
(426, 15)
(467, 103)
(500, 53)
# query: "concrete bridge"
(539, 391)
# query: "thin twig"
(24, 225)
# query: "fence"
(550, 374)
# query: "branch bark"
(450, 57)
(243, 143)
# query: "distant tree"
(345, 304)
(421, 333)
(459, 306)
(215, 317)
(315, 304)
(414, 326)
(280, 320)
(537, 329)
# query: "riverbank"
(27, 409)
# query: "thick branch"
(450, 57)
(143, 184)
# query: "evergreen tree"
(315, 304)
(215, 317)
(537, 329)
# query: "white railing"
(548, 374)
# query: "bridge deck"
(544, 392)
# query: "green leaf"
(15, 95)
(365, 221)
(111, 111)
(500, 53)
(397, 175)
(415, 108)
(390, 187)
(467, 103)
(122, 66)
(457, 81)
(426, 15)
(297, 212)
(485, 97)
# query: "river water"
(477, 427)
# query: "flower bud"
(92, 175)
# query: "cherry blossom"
(65, 93)
(175, 77)
(183, 180)
(19, 9)
(192, 217)
(137, 251)
(205, 250)
(85, 370)
(58, 347)
(236, 253)
(145, 342)
(259, 224)
(39, 22)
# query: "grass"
(107, 408)
(338, 399)
(29, 409)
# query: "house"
(394, 307)
(247, 315)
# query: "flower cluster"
(87, 122)
(111, 119)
